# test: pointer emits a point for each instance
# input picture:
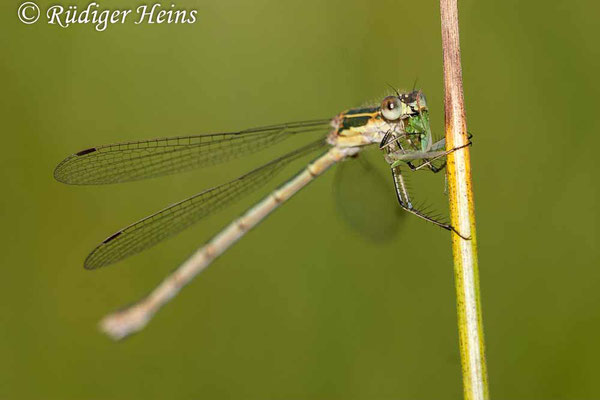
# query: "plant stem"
(470, 328)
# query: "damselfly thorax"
(399, 124)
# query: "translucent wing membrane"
(129, 161)
(359, 184)
(175, 218)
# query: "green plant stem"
(470, 329)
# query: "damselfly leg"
(426, 159)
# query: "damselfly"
(399, 126)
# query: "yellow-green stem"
(462, 214)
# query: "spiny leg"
(401, 192)
(405, 203)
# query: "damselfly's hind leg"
(406, 204)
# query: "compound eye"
(391, 109)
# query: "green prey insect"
(399, 126)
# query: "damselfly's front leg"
(406, 204)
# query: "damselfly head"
(403, 106)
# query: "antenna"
(394, 89)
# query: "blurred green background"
(305, 306)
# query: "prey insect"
(399, 126)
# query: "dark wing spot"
(111, 237)
(86, 151)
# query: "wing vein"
(171, 220)
(129, 161)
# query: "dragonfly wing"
(129, 161)
(364, 198)
(175, 218)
